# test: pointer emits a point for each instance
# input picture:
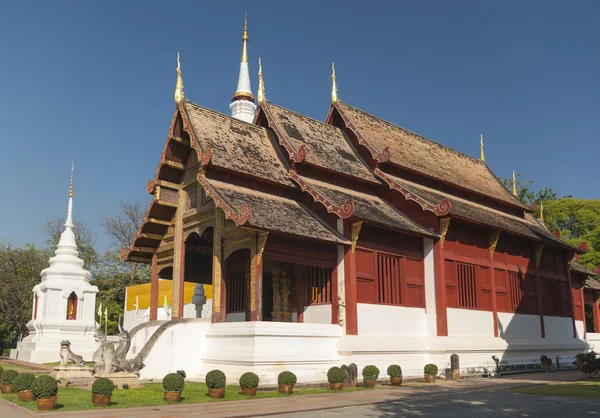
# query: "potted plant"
(7, 381)
(431, 370)
(370, 375)
(173, 385)
(215, 380)
(102, 390)
(286, 381)
(395, 374)
(22, 385)
(249, 383)
(44, 390)
(336, 377)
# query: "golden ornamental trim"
(261, 241)
(355, 231)
(494, 241)
(538, 253)
(444, 225)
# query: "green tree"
(19, 272)
(578, 221)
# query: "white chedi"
(63, 306)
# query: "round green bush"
(8, 377)
(286, 378)
(173, 382)
(215, 379)
(1, 371)
(44, 387)
(431, 369)
(394, 371)
(23, 382)
(249, 381)
(336, 375)
(103, 386)
(370, 372)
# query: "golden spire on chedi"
(71, 183)
(261, 84)
(179, 87)
(245, 40)
(334, 93)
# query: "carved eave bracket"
(240, 218)
(440, 209)
(539, 248)
(344, 211)
(296, 156)
(378, 156)
(261, 242)
(494, 241)
(355, 232)
(444, 225)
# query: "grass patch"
(151, 394)
(8, 366)
(585, 389)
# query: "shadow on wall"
(529, 334)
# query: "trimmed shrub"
(336, 375)
(44, 387)
(8, 377)
(286, 378)
(431, 369)
(103, 386)
(215, 379)
(370, 372)
(23, 381)
(249, 380)
(1, 371)
(6, 352)
(173, 382)
(588, 364)
(394, 371)
(546, 360)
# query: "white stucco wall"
(559, 327)
(390, 320)
(466, 322)
(317, 314)
(430, 307)
(236, 317)
(511, 325)
(580, 329)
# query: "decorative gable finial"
(334, 92)
(514, 184)
(261, 84)
(542, 211)
(482, 157)
(179, 86)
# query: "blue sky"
(93, 82)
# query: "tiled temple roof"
(526, 226)
(237, 146)
(277, 214)
(326, 146)
(370, 208)
(577, 267)
(423, 156)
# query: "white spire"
(242, 105)
(66, 258)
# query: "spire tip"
(334, 92)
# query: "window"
(388, 277)
(319, 284)
(72, 307)
(554, 297)
(516, 294)
(467, 287)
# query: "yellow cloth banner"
(165, 287)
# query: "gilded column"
(178, 259)
(216, 271)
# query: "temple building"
(346, 240)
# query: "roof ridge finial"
(514, 184)
(542, 211)
(179, 96)
(261, 83)
(334, 92)
(482, 157)
(245, 39)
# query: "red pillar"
(350, 284)
(596, 312)
(154, 289)
(571, 302)
(256, 315)
(334, 295)
(493, 283)
(538, 290)
(181, 279)
(440, 289)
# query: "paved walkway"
(470, 397)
